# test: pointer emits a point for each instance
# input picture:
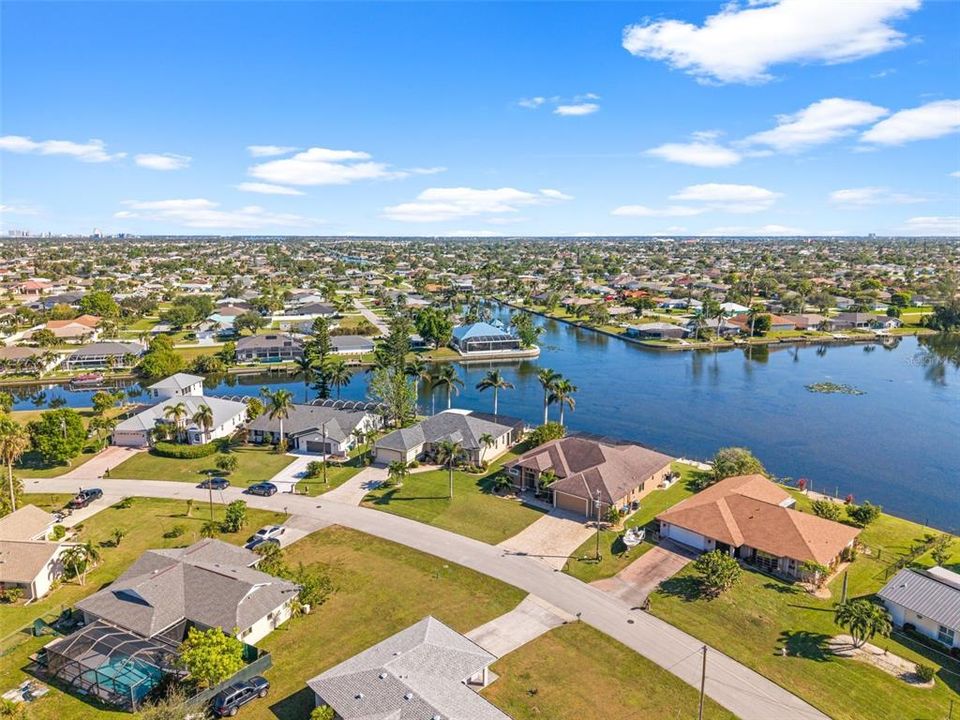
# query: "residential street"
(739, 689)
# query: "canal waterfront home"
(326, 429)
(482, 337)
(926, 601)
(102, 355)
(420, 440)
(656, 331)
(753, 519)
(272, 348)
(584, 469)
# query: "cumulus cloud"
(267, 189)
(742, 43)
(702, 151)
(18, 210)
(955, 173)
(531, 103)
(162, 161)
(821, 122)
(866, 196)
(932, 225)
(269, 150)
(93, 151)
(729, 198)
(324, 166)
(926, 122)
(669, 211)
(587, 108)
(202, 213)
(443, 204)
(576, 106)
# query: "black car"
(263, 488)
(217, 483)
(85, 497)
(227, 702)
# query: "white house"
(27, 559)
(178, 385)
(926, 600)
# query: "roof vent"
(383, 676)
(358, 696)
(408, 696)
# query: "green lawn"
(575, 672)
(30, 464)
(337, 475)
(763, 614)
(474, 510)
(615, 556)
(192, 353)
(145, 521)
(256, 464)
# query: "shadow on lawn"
(294, 707)
(687, 589)
(391, 496)
(804, 644)
(782, 588)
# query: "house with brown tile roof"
(752, 519)
(587, 469)
(83, 327)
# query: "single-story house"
(70, 298)
(732, 308)
(751, 518)
(315, 428)
(587, 469)
(850, 321)
(313, 309)
(657, 331)
(104, 354)
(482, 337)
(427, 671)
(269, 348)
(467, 428)
(27, 560)
(33, 287)
(351, 344)
(929, 600)
(778, 323)
(79, 329)
(137, 431)
(884, 322)
(18, 358)
(177, 385)
(805, 321)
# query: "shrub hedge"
(184, 452)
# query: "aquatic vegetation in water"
(830, 388)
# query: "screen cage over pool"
(115, 665)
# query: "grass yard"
(189, 354)
(30, 464)
(474, 511)
(615, 556)
(256, 464)
(145, 521)
(768, 614)
(337, 475)
(382, 588)
(575, 672)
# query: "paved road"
(372, 317)
(734, 686)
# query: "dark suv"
(227, 702)
(215, 483)
(85, 497)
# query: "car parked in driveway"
(216, 483)
(85, 497)
(262, 488)
(228, 702)
(268, 533)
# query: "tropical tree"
(732, 461)
(419, 370)
(447, 378)
(117, 534)
(177, 414)
(487, 440)
(211, 656)
(397, 471)
(279, 404)
(548, 378)
(306, 367)
(718, 572)
(203, 418)
(338, 373)
(448, 451)
(862, 619)
(562, 395)
(14, 442)
(77, 559)
(494, 380)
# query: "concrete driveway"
(551, 539)
(288, 477)
(356, 488)
(106, 459)
(529, 620)
(641, 577)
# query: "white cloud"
(531, 103)
(94, 151)
(955, 173)
(323, 166)
(763, 230)
(442, 204)
(162, 161)
(742, 43)
(702, 152)
(821, 122)
(866, 196)
(932, 225)
(926, 122)
(670, 211)
(18, 210)
(267, 189)
(269, 150)
(729, 197)
(202, 213)
(587, 108)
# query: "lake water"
(897, 445)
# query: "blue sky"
(803, 116)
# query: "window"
(946, 635)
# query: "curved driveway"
(734, 686)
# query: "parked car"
(263, 488)
(228, 702)
(267, 532)
(254, 544)
(217, 483)
(85, 497)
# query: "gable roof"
(147, 419)
(22, 560)
(309, 418)
(417, 674)
(749, 510)
(25, 523)
(177, 381)
(926, 595)
(454, 425)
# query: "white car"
(265, 534)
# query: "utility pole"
(326, 453)
(703, 682)
(598, 524)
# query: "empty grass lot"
(575, 672)
(763, 614)
(256, 464)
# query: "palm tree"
(203, 419)
(420, 372)
(562, 395)
(447, 453)
(863, 619)
(494, 379)
(305, 366)
(177, 414)
(548, 378)
(14, 442)
(338, 373)
(79, 558)
(102, 426)
(279, 404)
(755, 312)
(398, 471)
(447, 377)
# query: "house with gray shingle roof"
(460, 426)
(929, 600)
(316, 428)
(426, 672)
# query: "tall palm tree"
(279, 404)
(14, 442)
(562, 395)
(447, 378)
(420, 372)
(447, 453)
(338, 373)
(487, 440)
(176, 414)
(548, 378)
(203, 419)
(494, 379)
(305, 366)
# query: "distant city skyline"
(798, 117)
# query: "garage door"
(387, 456)
(694, 540)
(571, 503)
(317, 446)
